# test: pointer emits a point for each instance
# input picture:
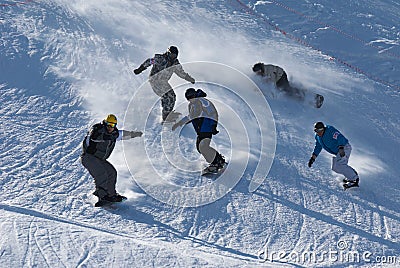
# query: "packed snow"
(65, 65)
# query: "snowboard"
(349, 184)
(319, 100)
(301, 95)
(206, 172)
(108, 204)
(313, 99)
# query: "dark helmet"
(319, 126)
(190, 93)
(173, 50)
(258, 67)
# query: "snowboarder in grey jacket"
(330, 139)
(204, 117)
(164, 65)
(278, 76)
(96, 148)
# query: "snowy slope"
(66, 64)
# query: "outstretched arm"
(182, 74)
(317, 150)
(144, 66)
(181, 122)
(126, 135)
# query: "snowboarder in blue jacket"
(330, 139)
(204, 118)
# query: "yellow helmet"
(111, 119)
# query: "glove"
(311, 161)
(135, 134)
(341, 151)
(139, 70)
(190, 79)
(176, 125)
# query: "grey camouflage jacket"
(163, 68)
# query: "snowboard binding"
(350, 183)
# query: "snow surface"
(66, 64)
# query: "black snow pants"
(103, 173)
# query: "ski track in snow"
(63, 63)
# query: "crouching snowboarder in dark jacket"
(97, 147)
(204, 118)
(278, 76)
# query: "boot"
(350, 183)
(216, 165)
(219, 161)
(211, 169)
(106, 200)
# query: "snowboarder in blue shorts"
(329, 138)
(204, 117)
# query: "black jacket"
(99, 142)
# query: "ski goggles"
(318, 130)
(112, 125)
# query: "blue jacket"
(330, 141)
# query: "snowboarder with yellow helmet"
(97, 147)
